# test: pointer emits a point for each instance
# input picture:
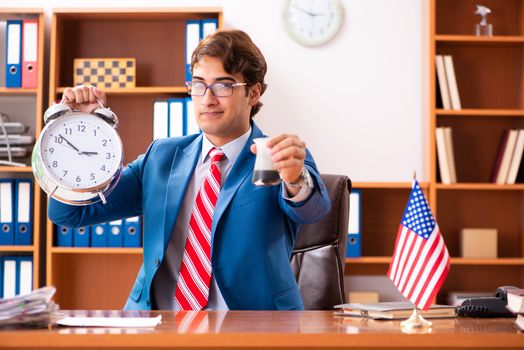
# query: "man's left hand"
(288, 154)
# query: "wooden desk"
(275, 330)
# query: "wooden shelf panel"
(472, 112)
(387, 185)
(454, 261)
(480, 186)
(517, 39)
(17, 91)
(142, 90)
(16, 169)
(17, 248)
(92, 250)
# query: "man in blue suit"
(253, 228)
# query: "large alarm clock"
(78, 157)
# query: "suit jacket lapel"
(181, 171)
(241, 169)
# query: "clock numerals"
(68, 131)
(104, 143)
(65, 173)
(81, 128)
(108, 155)
(54, 164)
(103, 168)
(59, 139)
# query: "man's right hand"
(84, 98)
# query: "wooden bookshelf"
(101, 278)
(25, 105)
(490, 79)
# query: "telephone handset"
(487, 306)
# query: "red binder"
(30, 53)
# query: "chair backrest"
(319, 254)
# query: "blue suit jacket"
(254, 228)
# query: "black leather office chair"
(320, 250)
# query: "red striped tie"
(192, 289)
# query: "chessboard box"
(105, 73)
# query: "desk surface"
(270, 329)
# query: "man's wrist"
(303, 179)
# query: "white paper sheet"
(122, 322)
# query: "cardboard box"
(478, 242)
(363, 297)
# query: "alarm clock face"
(313, 22)
(80, 151)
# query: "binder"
(115, 235)
(192, 39)
(354, 233)
(132, 232)
(208, 26)
(13, 74)
(99, 235)
(23, 213)
(81, 236)
(29, 53)
(24, 275)
(3, 34)
(9, 277)
(7, 226)
(63, 236)
(176, 113)
(160, 120)
(191, 126)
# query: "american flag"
(420, 262)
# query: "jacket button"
(157, 262)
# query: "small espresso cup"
(264, 173)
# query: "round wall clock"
(313, 22)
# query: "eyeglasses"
(197, 88)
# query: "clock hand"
(69, 143)
(88, 153)
(309, 13)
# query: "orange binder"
(30, 53)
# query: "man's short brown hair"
(238, 54)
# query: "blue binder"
(354, 234)
(193, 36)
(63, 236)
(24, 212)
(190, 123)
(7, 212)
(132, 232)
(176, 111)
(99, 235)
(208, 26)
(24, 274)
(13, 71)
(81, 236)
(10, 280)
(1, 276)
(115, 234)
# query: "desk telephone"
(487, 306)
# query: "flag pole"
(416, 323)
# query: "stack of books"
(447, 82)
(393, 310)
(446, 157)
(13, 142)
(509, 156)
(516, 305)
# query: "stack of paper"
(35, 308)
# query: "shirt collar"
(231, 149)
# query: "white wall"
(356, 101)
